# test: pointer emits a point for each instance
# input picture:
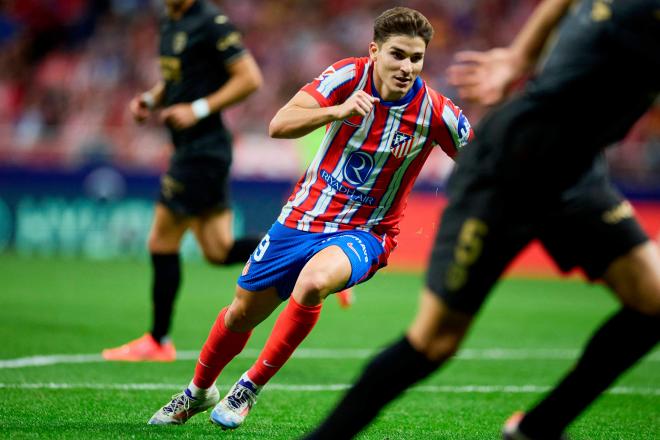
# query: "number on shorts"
(467, 252)
(470, 241)
(261, 249)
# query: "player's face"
(397, 63)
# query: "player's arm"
(244, 78)
(143, 104)
(303, 114)
(484, 77)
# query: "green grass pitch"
(524, 339)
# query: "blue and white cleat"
(231, 412)
(183, 406)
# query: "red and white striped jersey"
(365, 167)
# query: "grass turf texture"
(60, 306)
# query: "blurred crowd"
(69, 67)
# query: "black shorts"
(486, 225)
(193, 187)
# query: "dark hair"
(402, 21)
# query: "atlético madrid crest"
(401, 145)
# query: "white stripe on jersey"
(322, 204)
(421, 133)
(353, 144)
(382, 154)
(311, 173)
(333, 81)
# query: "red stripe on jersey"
(360, 182)
(391, 217)
(337, 91)
(330, 160)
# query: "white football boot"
(183, 406)
(231, 412)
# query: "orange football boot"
(345, 298)
(142, 349)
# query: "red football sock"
(220, 348)
(292, 326)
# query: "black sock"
(387, 375)
(241, 250)
(166, 281)
(616, 346)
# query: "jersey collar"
(417, 85)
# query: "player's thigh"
(340, 260)
(167, 230)
(277, 260)
(635, 278)
(249, 308)
(480, 233)
(326, 272)
(590, 228)
(214, 233)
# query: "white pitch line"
(491, 354)
(434, 389)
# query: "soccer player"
(340, 223)
(536, 170)
(205, 69)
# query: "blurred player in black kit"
(536, 170)
(205, 69)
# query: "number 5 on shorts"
(261, 249)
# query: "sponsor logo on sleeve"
(463, 130)
(458, 126)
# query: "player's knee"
(642, 293)
(636, 279)
(237, 318)
(441, 348)
(215, 258)
(215, 253)
(158, 244)
(648, 302)
(437, 344)
(313, 287)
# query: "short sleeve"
(454, 130)
(225, 38)
(336, 83)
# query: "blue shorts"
(284, 251)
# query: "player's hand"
(485, 77)
(139, 109)
(360, 104)
(179, 116)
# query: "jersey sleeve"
(336, 83)
(453, 130)
(226, 40)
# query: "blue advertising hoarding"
(105, 212)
